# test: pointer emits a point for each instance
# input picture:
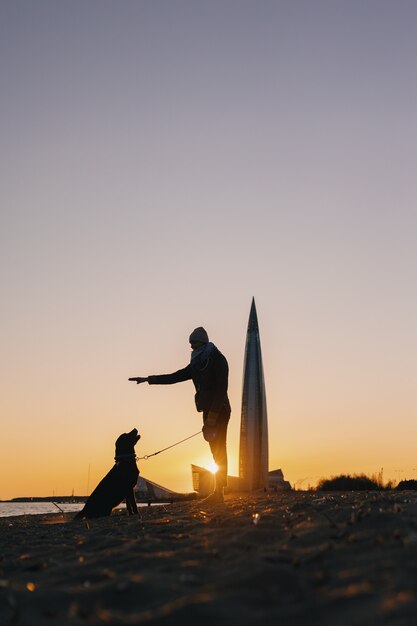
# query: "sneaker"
(214, 498)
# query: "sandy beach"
(290, 559)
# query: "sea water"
(9, 509)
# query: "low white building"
(204, 481)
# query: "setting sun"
(212, 467)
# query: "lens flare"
(212, 467)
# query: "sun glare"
(212, 467)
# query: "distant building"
(203, 481)
(276, 481)
(148, 490)
(253, 450)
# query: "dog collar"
(118, 457)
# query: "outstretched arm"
(166, 379)
(171, 379)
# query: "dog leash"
(147, 456)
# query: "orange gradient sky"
(162, 163)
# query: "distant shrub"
(346, 482)
(406, 484)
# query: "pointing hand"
(139, 379)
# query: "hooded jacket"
(210, 381)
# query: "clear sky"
(161, 163)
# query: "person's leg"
(219, 451)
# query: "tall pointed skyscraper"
(253, 452)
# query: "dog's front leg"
(131, 503)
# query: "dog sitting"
(118, 484)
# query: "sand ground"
(289, 559)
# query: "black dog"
(118, 484)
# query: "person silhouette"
(209, 371)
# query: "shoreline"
(178, 497)
(25, 509)
(300, 558)
(39, 506)
(58, 499)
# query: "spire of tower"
(253, 318)
(253, 453)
